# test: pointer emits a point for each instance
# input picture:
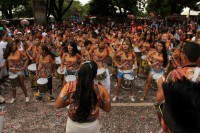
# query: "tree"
(6, 7)
(101, 7)
(78, 9)
(109, 7)
(23, 11)
(56, 8)
(168, 7)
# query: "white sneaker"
(2, 99)
(132, 99)
(12, 100)
(27, 99)
(115, 85)
(114, 98)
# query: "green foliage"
(6, 7)
(168, 7)
(77, 8)
(109, 7)
(101, 7)
(23, 11)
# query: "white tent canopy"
(192, 13)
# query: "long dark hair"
(128, 41)
(164, 52)
(8, 50)
(74, 46)
(46, 49)
(85, 96)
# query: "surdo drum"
(144, 68)
(127, 82)
(32, 73)
(137, 52)
(101, 74)
(69, 78)
(42, 85)
(58, 62)
(14, 80)
(61, 73)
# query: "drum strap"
(196, 74)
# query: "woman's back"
(70, 90)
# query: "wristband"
(63, 96)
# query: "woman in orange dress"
(17, 62)
(84, 99)
(32, 50)
(145, 44)
(100, 54)
(117, 41)
(45, 65)
(85, 52)
(124, 59)
(71, 59)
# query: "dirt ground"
(42, 117)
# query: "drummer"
(45, 64)
(71, 59)
(158, 61)
(175, 59)
(117, 41)
(124, 60)
(17, 62)
(100, 53)
(32, 50)
(145, 44)
(85, 52)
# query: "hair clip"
(89, 62)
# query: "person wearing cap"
(100, 53)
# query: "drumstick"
(124, 64)
(14, 69)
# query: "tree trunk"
(39, 11)
(58, 11)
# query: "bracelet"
(63, 96)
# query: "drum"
(101, 74)
(137, 52)
(79, 48)
(144, 68)
(58, 60)
(127, 81)
(61, 73)
(14, 80)
(69, 78)
(32, 74)
(42, 85)
(157, 76)
(108, 61)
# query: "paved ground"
(42, 117)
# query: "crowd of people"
(84, 57)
